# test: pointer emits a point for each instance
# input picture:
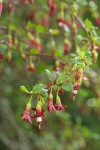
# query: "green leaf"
(23, 89)
(38, 88)
(75, 8)
(61, 79)
(49, 75)
(59, 53)
(12, 27)
(30, 25)
(45, 93)
(67, 86)
(34, 51)
(55, 32)
(97, 41)
(78, 39)
(88, 24)
(84, 48)
(39, 28)
(3, 46)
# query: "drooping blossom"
(59, 105)
(46, 20)
(66, 47)
(39, 113)
(50, 104)
(31, 68)
(61, 91)
(10, 5)
(31, 1)
(26, 114)
(52, 6)
(1, 56)
(35, 42)
(63, 22)
(21, 1)
(1, 5)
(97, 21)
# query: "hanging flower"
(97, 21)
(61, 91)
(1, 56)
(31, 1)
(31, 68)
(66, 47)
(10, 5)
(58, 104)
(1, 7)
(39, 113)
(26, 114)
(53, 7)
(21, 1)
(50, 103)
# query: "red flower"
(31, 69)
(55, 68)
(10, 6)
(1, 56)
(60, 21)
(84, 77)
(50, 105)
(21, 1)
(58, 105)
(78, 75)
(0, 8)
(36, 43)
(97, 21)
(61, 91)
(26, 114)
(66, 48)
(31, 1)
(53, 7)
(68, 23)
(39, 113)
(38, 46)
(77, 87)
(46, 20)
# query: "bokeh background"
(77, 128)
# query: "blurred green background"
(77, 128)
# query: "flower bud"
(50, 96)
(28, 106)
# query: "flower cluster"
(39, 109)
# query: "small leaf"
(23, 89)
(34, 51)
(12, 27)
(45, 93)
(75, 8)
(38, 88)
(88, 24)
(61, 79)
(30, 25)
(49, 75)
(67, 86)
(40, 28)
(55, 32)
(3, 46)
(78, 38)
